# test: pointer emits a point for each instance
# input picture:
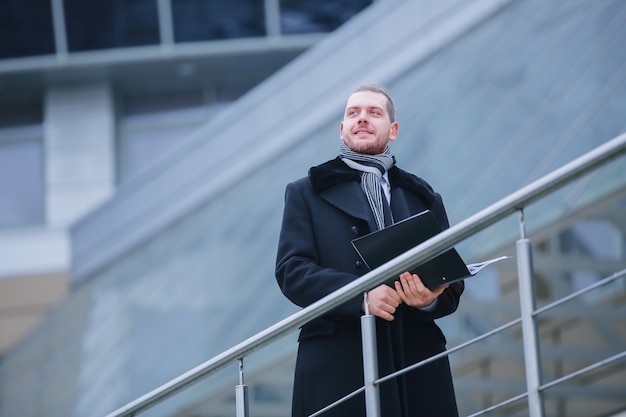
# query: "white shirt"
(384, 182)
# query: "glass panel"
(20, 109)
(311, 16)
(143, 147)
(154, 123)
(151, 102)
(201, 20)
(21, 181)
(21, 160)
(596, 239)
(103, 24)
(25, 28)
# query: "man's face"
(366, 126)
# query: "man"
(361, 191)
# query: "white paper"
(475, 268)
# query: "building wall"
(90, 97)
(80, 150)
(78, 159)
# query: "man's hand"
(414, 293)
(383, 301)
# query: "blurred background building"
(145, 146)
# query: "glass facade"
(22, 188)
(21, 177)
(203, 20)
(25, 28)
(106, 24)
(311, 16)
(152, 124)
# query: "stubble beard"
(366, 148)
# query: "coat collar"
(335, 172)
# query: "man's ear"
(393, 132)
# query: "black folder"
(383, 245)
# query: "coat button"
(359, 264)
(355, 230)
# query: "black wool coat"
(323, 213)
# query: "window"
(311, 16)
(105, 24)
(594, 239)
(22, 182)
(25, 28)
(202, 20)
(153, 124)
(590, 240)
(21, 176)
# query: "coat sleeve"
(299, 273)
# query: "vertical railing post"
(370, 362)
(529, 324)
(241, 394)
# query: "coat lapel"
(340, 186)
(349, 198)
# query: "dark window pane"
(104, 24)
(153, 102)
(201, 20)
(310, 16)
(25, 28)
(20, 109)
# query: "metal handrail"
(537, 312)
(500, 329)
(443, 241)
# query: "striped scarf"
(372, 168)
